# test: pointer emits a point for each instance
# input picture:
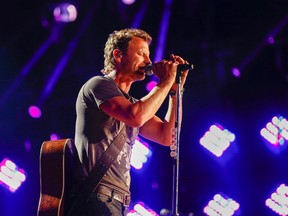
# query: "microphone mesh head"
(148, 70)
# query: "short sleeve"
(100, 89)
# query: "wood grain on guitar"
(55, 158)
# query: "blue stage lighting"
(11, 176)
(276, 131)
(141, 209)
(65, 12)
(217, 139)
(140, 154)
(278, 201)
(221, 205)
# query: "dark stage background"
(214, 35)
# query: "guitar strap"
(102, 165)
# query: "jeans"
(102, 205)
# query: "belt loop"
(111, 196)
(126, 200)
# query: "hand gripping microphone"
(180, 67)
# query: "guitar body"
(57, 160)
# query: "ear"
(117, 54)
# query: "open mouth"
(142, 70)
(146, 69)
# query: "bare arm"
(161, 131)
(137, 114)
(142, 113)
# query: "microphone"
(148, 69)
(180, 67)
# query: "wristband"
(173, 92)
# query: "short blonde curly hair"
(120, 40)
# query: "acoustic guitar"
(57, 160)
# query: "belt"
(114, 194)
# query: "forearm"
(139, 113)
(147, 106)
(160, 131)
(170, 119)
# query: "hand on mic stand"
(164, 70)
(180, 67)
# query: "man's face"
(136, 57)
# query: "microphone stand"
(175, 151)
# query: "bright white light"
(140, 209)
(128, 2)
(278, 201)
(10, 175)
(140, 154)
(276, 131)
(217, 140)
(221, 206)
(65, 13)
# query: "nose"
(147, 60)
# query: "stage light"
(267, 40)
(140, 154)
(128, 2)
(34, 112)
(27, 145)
(11, 176)
(276, 132)
(271, 40)
(278, 201)
(54, 136)
(140, 209)
(65, 12)
(236, 72)
(221, 205)
(150, 85)
(163, 31)
(217, 139)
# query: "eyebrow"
(144, 50)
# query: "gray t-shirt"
(95, 130)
